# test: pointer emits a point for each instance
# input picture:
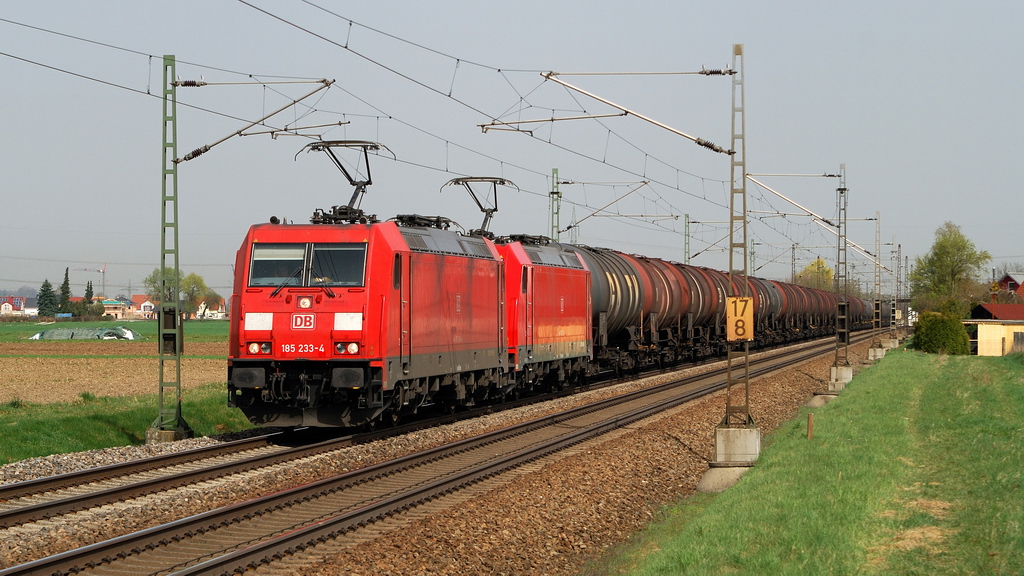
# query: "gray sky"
(918, 99)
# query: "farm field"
(60, 371)
(41, 371)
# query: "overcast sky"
(920, 101)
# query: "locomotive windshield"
(277, 264)
(338, 264)
(282, 265)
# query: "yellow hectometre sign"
(739, 317)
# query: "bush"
(940, 333)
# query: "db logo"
(303, 321)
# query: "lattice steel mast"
(169, 425)
(842, 358)
(556, 206)
(737, 412)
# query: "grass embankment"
(37, 429)
(915, 469)
(30, 430)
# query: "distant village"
(138, 307)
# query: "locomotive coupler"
(275, 389)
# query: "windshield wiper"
(285, 282)
(327, 289)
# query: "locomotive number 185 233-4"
(301, 348)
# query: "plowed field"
(58, 371)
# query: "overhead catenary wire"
(435, 90)
(504, 72)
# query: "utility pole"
(894, 307)
(876, 351)
(686, 239)
(737, 437)
(556, 206)
(841, 372)
(169, 424)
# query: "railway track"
(249, 533)
(52, 496)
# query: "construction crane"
(103, 276)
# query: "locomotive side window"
(277, 264)
(338, 264)
(397, 274)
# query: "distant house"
(1012, 284)
(13, 305)
(1000, 328)
(142, 306)
(213, 311)
(117, 309)
(988, 311)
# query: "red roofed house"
(1000, 328)
(12, 305)
(1011, 284)
(142, 307)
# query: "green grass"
(915, 469)
(195, 331)
(30, 430)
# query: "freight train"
(351, 321)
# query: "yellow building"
(1000, 328)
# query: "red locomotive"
(350, 321)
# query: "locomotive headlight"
(305, 302)
(259, 348)
(346, 348)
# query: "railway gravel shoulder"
(566, 514)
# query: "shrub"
(940, 333)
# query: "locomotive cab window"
(277, 264)
(338, 265)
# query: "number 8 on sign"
(739, 317)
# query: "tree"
(88, 292)
(817, 274)
(87, 310)
(153, 284)
(941, 334)
(47, 300)
(947, 278)
(193, 289)
(213, 299)
(64, 304)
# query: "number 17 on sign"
(739, 317)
